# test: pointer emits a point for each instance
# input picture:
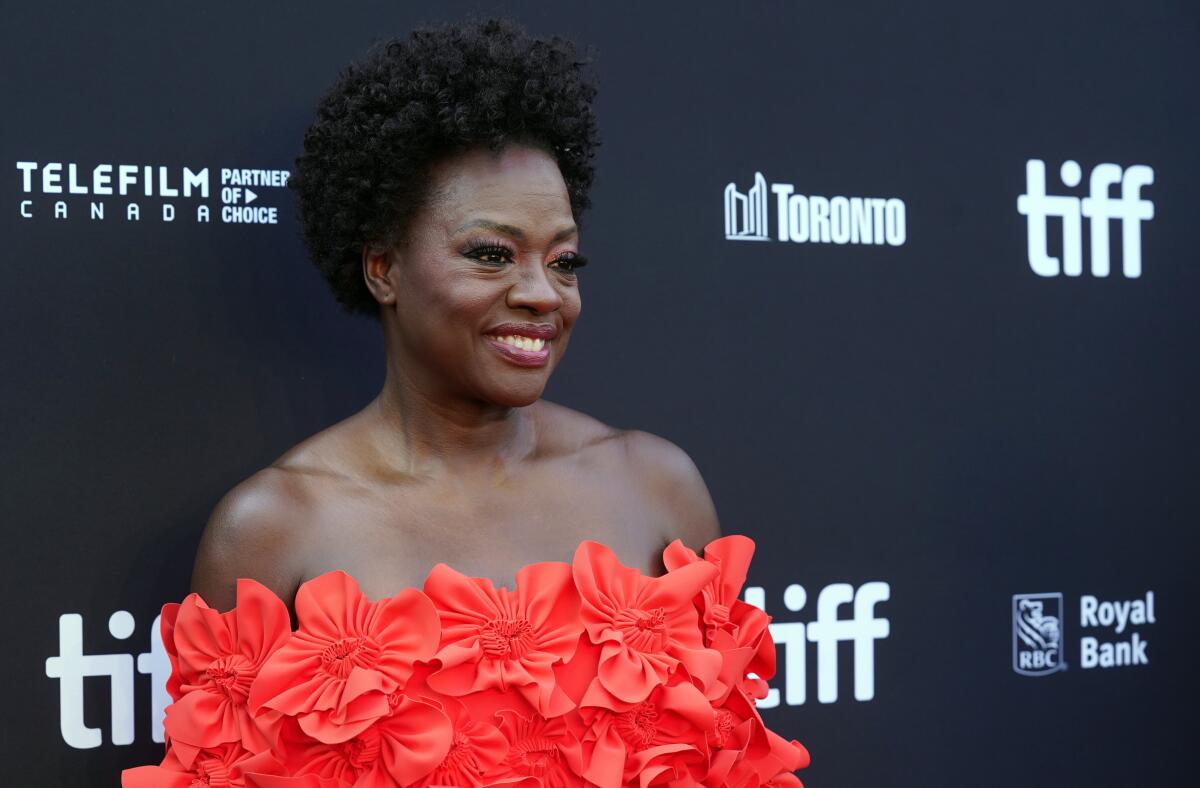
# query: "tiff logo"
(863, 629)
(1099, 207)
(72, 666)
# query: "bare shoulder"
(669, 475)
(567, 431)
(661, 462)
(253, 532)
(661, 470)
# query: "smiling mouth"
(528, 344)
(520, 350)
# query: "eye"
(569, 262)
(490, 254)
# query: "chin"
(518, 397)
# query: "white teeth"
(524, 343)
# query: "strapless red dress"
(585, 674)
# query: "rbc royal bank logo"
(1099, 208)
(1037, 634)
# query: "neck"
(431, 432)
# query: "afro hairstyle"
(411, 102)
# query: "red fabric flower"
(547, 750)
(476, 750)
(398, 749)
(500, 639)
(790, 755)
(781, 759)
(661, 738)
(737, 735)
(346, 658)
(214, 658)
(735, 628)
(589, 674)
(307, 781)
(647, 626)
(225, 765)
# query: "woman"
(440, 189)
(478, 578)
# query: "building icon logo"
(1037, 634)
(746, 214)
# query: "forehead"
(515, 182)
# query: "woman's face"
(482, 293)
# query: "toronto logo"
(1037, 634)
(811, 218)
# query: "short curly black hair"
(414, 101)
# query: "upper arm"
(250, 534)
(674, 480)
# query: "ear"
(377, 262)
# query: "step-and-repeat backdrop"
(915, 286)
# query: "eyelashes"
(573, 261)
(480, 248)
(495, 253)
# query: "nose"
(533, 289)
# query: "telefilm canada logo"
(133, 193)
(805, 218)
(1114, 632)
(1100, 208)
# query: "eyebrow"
(515, 232)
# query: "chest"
(389, 538)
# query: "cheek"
(571, 307)
(440, 322)
(464, 303)
(446, 298)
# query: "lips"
(523, 344)
(531, 330)
(523, 354)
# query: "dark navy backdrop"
(933, 415)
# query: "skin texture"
(458, 459)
